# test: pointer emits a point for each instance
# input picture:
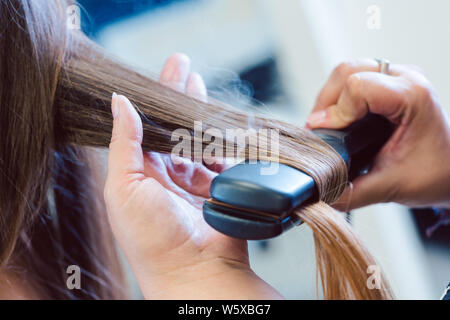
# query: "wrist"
(218, 278)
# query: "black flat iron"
(248, 205)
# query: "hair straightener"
(245, 204)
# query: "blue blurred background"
(276, 55)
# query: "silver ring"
(384, 65)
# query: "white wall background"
(308, 38)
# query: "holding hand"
(154, 208)
(413, 168)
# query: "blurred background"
(277, 55)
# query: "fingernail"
(114, 106)
(316, 118)
(180, 72)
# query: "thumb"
(364, 92)
(365, 190)
(125, 157)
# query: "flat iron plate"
(245, 225)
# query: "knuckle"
(133, 134)
(403, 103)
(423, 91)
(345, 69)
(132, 140)
(136, 135)
(353, 84)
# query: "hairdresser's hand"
(413, 168)
(154, 207)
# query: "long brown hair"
(55, 101)
(51, 216)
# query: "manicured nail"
(316, 118)
(114, 106)
(176, 72)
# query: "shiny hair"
(55, 102)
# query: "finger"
(156, 168)
(195, 87)
(217, 165)
(366, 190)
(125, 157)
(193, 177)
(176, 72)
(364, 92)
(335, 84)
